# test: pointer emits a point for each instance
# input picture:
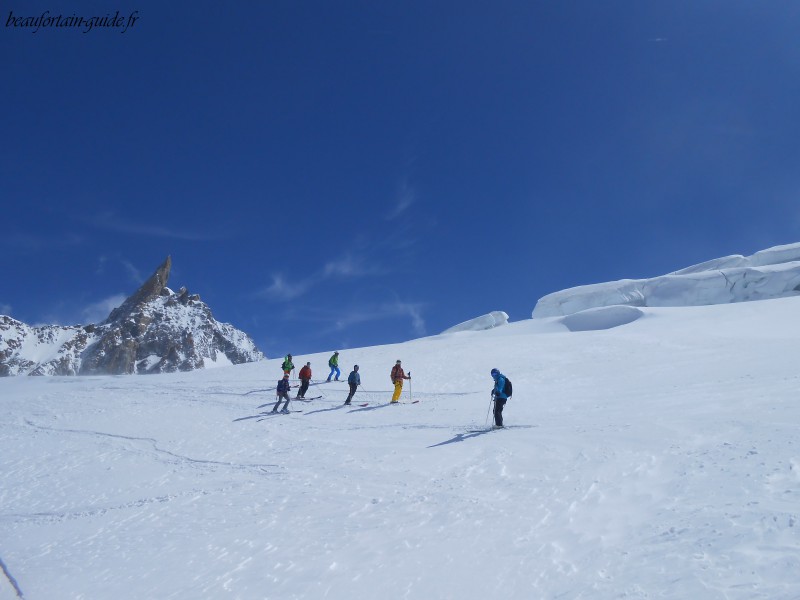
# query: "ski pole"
(409, 387)
(491, 399)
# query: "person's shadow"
(321, 410)
(462, 436)
(259, 415)
(366, 408)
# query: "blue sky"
(337, 174)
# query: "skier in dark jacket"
(499, 396)
(354, 379)
(282, 391)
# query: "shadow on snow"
(462, 436)
(259, 415)
(476, 432)
(321, 410)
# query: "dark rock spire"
(150, 289)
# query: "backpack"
(507, 389)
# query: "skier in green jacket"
(288, 365)
(333, 363)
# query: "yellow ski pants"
(398, 387)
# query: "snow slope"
(657, 458)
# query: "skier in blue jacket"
(354, 379)
(499, 396)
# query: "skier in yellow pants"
(397, 379)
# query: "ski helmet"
(495, 372)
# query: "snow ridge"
(771, 273)
(493, 319)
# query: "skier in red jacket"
(305, 379)
(398, 375)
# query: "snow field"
(656, 459)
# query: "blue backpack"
(507, 388)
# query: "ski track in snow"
(658, 459)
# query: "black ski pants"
(303, 388)
(499, 403)
(353, 388)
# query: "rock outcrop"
(155, 330)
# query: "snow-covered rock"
(771, 273)
(489, 321)
(47, 350)
(155, 330)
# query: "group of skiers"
(282, 391)
(501, 391)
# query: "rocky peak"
(155, 330)
(150, 289)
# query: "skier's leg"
(498, 412)
(353, 388)
(398, 387)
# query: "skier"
(397, 379)
(354, 379)
(305, 379)
(288, 365)
(499, 396)
(333, 363)
(282, 392)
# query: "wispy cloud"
(111, 222)
(414, 311)
(134, 274)
(346, 317)
(344, 267)
(5, 309)
(406, 196)
(348, 267)
(280, 289)
(98, 311)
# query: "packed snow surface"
(655, 459)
